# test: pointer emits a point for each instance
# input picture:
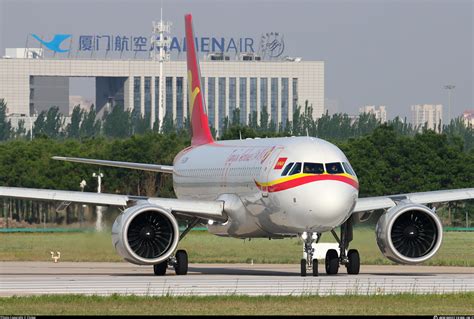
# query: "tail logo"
(192, 93)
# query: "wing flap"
(140, 166)
(383, 202)
(70, 196)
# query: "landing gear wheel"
(303, 267)
(160, 269)
(181, 266)
(315, 268)
(332, 262)
(353, 266)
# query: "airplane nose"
(332, 202)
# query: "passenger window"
(334, 168)
(313, 168)
(287, 169)
(296, 169)
(348, 168)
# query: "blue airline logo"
(55, 44)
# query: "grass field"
(461, 304)
(457, 248)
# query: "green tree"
(73, 129)
(5, 126)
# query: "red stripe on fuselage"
(309, 179)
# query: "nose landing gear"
(308, 263)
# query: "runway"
(35, 278)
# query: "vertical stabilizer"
(201, 134)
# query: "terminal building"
(32, 82)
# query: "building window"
(147, 96)
(263, 95)
(169, 97)
(284, 100)
(243, 100)
(157, 97)
(295, 94)
(137, 99)
(274, 101)
(179, 101)
(222, 100)
(232, 98)
(253, 97)
(211, 100)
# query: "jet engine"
(409, 233)
(145, 234)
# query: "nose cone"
(330, 202)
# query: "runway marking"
(30, 278)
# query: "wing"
(139, 166)
(189, 208)
(383, 202)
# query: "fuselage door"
(269, 168)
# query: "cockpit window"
(334, 168)
(313, 168)
(348, 168)
(296, 169)
(287, 169)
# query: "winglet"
(201, 134)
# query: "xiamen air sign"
(269, 45)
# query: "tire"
(315, 268)
(303, 267)
(332, 262)
(353, 267)
(160, 269)
(181, 266)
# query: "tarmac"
(91, 278)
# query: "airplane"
(259, 188)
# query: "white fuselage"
(267, 204)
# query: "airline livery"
(260, 188)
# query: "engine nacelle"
(145, 234)
(409, 233)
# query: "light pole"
(450, 88)
(82, 185)
(98, 224)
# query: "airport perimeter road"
(34, 278)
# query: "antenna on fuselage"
(240, 134)
(307, 132)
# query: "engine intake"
(409, 233)
(145, 234)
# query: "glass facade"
(136, 93)
(211, 100)
(284, 100)
(295, 93)
(147, 96)
(274, 100)
(263, 94)
(179, 101)
(222, 96)
(253, 96)
(222, 100)
(243, 100)
(169, 96)
(232, 96)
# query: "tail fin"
(201, 134)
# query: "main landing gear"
(350, 260)
(180, 260)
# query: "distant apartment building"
(380, 112)
(432, 114)
(468, 117)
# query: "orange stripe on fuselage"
(302, 179)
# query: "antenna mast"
(162, 41)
